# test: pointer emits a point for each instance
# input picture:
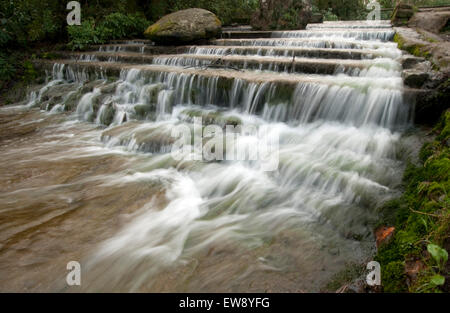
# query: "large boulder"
(185, 26)
(432, 21)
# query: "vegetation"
(422, 221)
(113, 26)
(342, 9)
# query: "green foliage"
(84, 35)
(25, 21)
(343, 9)
(430, 282)
(393, 277)
(118, 25)
(29, 72)
(437, 280)
(113, 26)
(439, 255)
(328, 15)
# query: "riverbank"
(414, 258)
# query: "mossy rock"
(142, 110)
(107, 115)
(184, 26)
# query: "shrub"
(328, 15)
(84, 35)
(118, 26)
(113, 26)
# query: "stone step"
(236, 34)
(277, 96)
(99, 56)
(324, 53)
(310, 52)
(276, 64)
(132, 41)
(358, 34)
(96, 70)
(330, 25)
(342, 43)
(141, 48)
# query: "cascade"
(331, 95)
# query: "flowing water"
(90, 177)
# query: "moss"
(218, 22)
(152, 30)
(422, 213)
(417, 50)
(393, 277)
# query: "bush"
(118, 26)
(83, 36)
(113, 26)
(343, 9)
(328, 15)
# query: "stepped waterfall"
(107, 192)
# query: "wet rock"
(384, 235)
(415, 78)
(89, 86)
(142, 110)
(107, 114)
(109, 88)
(70, 103)
(432, 103)
(334, 251)
(409, 61)
(184, 26)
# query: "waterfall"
(332, 98)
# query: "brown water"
(63, 194)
